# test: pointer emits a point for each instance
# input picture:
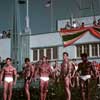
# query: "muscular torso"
(9, 71)
(27, 71)
(66, 68)
(85, 68)
(44, 70)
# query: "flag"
(21, 1)
(72, 35)
(48, 3)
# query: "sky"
(41, 16)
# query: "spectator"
(98, 22)
(4, 34)
(67, 26)
(94, 23)
(9, 33)
(82, 25)
(0, 35)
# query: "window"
(51, 53)
(92, 49)
(79, 50)
(86, 48)
(83, 4)
(41, 53)
(35, 56)
(99, 49)
(48, 53)
(55, 53)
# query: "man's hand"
(1, 82)
(14, 83)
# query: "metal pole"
(51, 6)
(27, 27)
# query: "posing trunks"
(8, 79)
(44, 78)
(85, 77)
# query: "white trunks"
(8, 79)
(85, 77)
(44, 78)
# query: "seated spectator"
(0, 35)
(67, 26)
(94, 23)
(82, 25)
(4, 34)
(75, 24)
(98, 22)
(9, 33)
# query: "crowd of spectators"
(5, 34)
(96, 23)
(76, 24)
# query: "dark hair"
(8, 59)
(65, 53)
(44, 57)
(27, 60)
(83, 55)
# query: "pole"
(27, 26)
(51, 6)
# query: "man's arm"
(1, 76)
(32, 72)
(73, 69)
(61, 71)
(93, 69)
(78, 70)
(15, 76)
(23, 70)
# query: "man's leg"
(10, 90)
(88, 89)
(67, 88)
(27, 84)
(77, 81)
(45, 89)
(41, 90)
(82, 86)
(5, 91)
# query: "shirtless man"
(44, 72)
(84, 68)
(28, 72)
(56, 71)
(75, 80)
(9, 77)
(67, 72)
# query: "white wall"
(45, 40)
(5, 48)
(88, 37)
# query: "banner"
(69, 36)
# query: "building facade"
(51, 45)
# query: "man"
(9, 76)
(67, 73)
(44, 72)
(56, 71)
(28, 72)
(75, 80)
(84, 68)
